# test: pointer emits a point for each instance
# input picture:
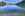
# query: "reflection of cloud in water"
(7, 7)
(10, 6)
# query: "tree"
(2, 3)
(21, 4)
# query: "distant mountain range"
(10, 3)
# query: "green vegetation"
(21, 4)
(2, 3)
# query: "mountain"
(21, 4)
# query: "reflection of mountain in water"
(10, 8)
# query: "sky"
(11, 1)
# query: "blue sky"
(11, 1)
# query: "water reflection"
(11, 7)
(7, 8)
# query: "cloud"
(0, 0)
(12, 1)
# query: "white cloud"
(0, 0)
(12, 1)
